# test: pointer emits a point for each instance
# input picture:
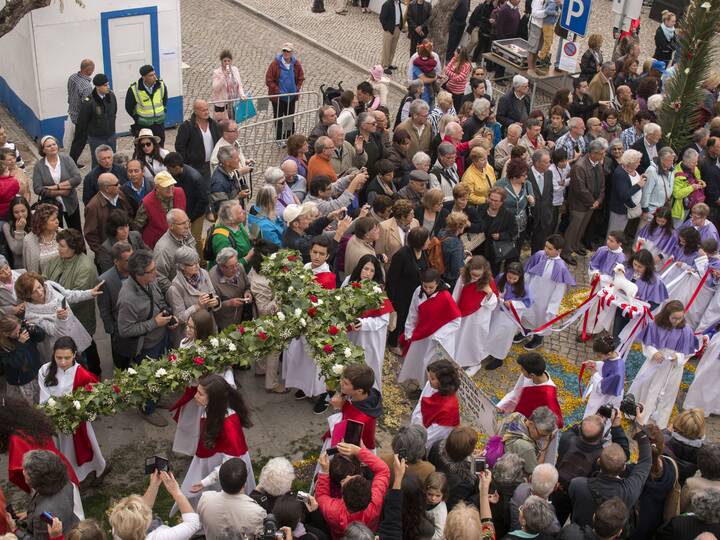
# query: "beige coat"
(228, 315)
(418, 142)
(389, 241)
(354, 251)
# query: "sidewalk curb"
(315, 43)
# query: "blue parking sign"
(575, 16)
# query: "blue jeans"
(154, 353)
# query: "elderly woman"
(275, 177)
(409, 442)
(479, 176)
(276, 479)
(421, 162)
(414, 91)
(452, 247)
(148, 152)
(688, 185)
(361, 243)
(627, 185)
(263, 220)
(74, 270)
(233, 288)
(227, 87)
(132, 516)
(297, 148)
(450, 456)
(507, 474)
(56, 176)
(191, 289)
(16, 228)
(592, 59)
(518, 196)
(230, 231)
(40, 246)
(536, 516)
(117, 230)
(500, 228)
(429, 213)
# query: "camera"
(156, 463)
(629, 406)
(24, 326)
(303, 496)
(270, 529)
(167, 313)
(605, 410)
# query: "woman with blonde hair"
(429, 212)
(452, 247)
(683, 439)
(479, 176)
(665, 38)
(87, 529)
(263, 220)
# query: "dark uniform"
(96, 120)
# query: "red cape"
(18, 446)
(440, 410)
(81, 440)
(230, 440)
(532, 397)
(186, 398)
(350, 412)
(433, 314)
(387, 307)
(326, 280)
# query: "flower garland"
(322, 316)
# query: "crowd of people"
(470, 209)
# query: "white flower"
(77, 405)
(161, 372)
(201, 350)
(131, 371)
(347, 352)
(705, 5)
(337, 369)
(51, 402)
(338, 298)
(687, 70)
(280, 316)
(319, 302)
(297, 311)
(303, 323)
(377, 289)
(215, 342)
(272, 256)
(291, 288)
(232, 347)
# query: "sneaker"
(580, 251)
(534, 343)
(321, 405)
(392, 67)
(387, 71)
(518, 338)
(494, 363)
(300, 395)
(156, 419)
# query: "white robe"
(472, 338)
(423, 351)
(63, 441)
(503, 328)
(508, 403)
(435, 432)
(684, 285)
(711, 313)
(704, 392)
(546, 295)
(372, 337)
(595, 396)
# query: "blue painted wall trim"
(24, 115)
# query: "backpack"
(208, 253)
(574, 463)
(435, 254)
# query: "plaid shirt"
(79, 87)
(629, 137)
(567, 143)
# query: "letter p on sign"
(575, 15)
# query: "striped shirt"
(435, 117)
(79, 87)
(629, 136)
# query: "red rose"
(313, 298)
(199, 361)
(285, 269)
(356, 284)
(241, 329)
(292, 257)
(88, 387)
(333, 330)
(172, 358)
(349, 328)
(116, 388)
(262, 335)
(312, 311)
(328, 348)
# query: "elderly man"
(700, 139)
(504, 147)
(514, 106)
(301, 229)
(601, 88)
(533, 139)
(418, 127)
(232, 286)
(104, 156)
(585, 195)
(319, 164)
(647, 146)
(296, 182)
(346, 154)
(275, 177)
(108, 300)
(196, 138)
(330, 196)
(177, 235)
(9, 304)
(593, 131)
(196, 189)
(372, 141)
(150, 217)
(540, 179)
(137, 187)
(444, 174)
(98, 209)
(419, 182)
(454, 136)
(229, 137)
(542, 483)
(573, 142)
(327, 116)
(481, 109)
(535, 440)
(227, 182)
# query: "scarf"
(669, 32)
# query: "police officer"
(146, 102)
(96, 119)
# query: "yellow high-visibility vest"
(149, 109)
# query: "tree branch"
(14, 10)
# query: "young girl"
(687, 248)
(560, 170)
(436, 490)
(608, 256)
(504, 323)
(370, 329)
(20, 358)
(667, 345)
(658, 236)
(476, 300)
(61, 376)
(220, 436)
(608, 380)
(438, 409)
(432, 320)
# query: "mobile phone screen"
(353, 432)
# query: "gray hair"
(121, 159)
(654, 102)
(358, 531)
(613, 143)
(576, 121)
(118, 249)
(666, 151)
(689, 155)
(335, 128)
(544, 419)
(321, 142)
(139, 261)
(509, 469)
(630, 156)
(3, 262)
(225, 153)
(420, 157)
(185, 255)
(607, 65)
(480, 106)
(46, 473)
(411, 441)
(363, 118)
(225, 212)
(700, 133)
(273, 175)
(266, 198)
(414, 86)
(516, 128)
(538, 514)
(539, 154)
(445, 149)
(417, 106)
(518, 81)
(172, 215)
(103, 148)
(452, 127)
(544, 480)
(224, 255)
(706, 504)
(651, 128)
(276, 477)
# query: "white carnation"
(337, 369)
(377, 289)
(161, 372)
(51, 402)
(337, 297)
(297, 311)
(303, 323)
(319, 302)
(272, 256)
(77, 405)
(131, 371)
(280, 316)
(347, 352)
(201, 350)
(291, 288)
(215, 342)
(232, 347)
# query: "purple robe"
(660, 239)
(604, 260)
(678, 254)
(613, 377)
(508, 293)
(535, 266)
(653, 292)
(680, 340)
(707, 231)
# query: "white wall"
(17, 62)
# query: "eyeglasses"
(146, 144)
(151, 271)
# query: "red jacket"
(334, 511)
(157, 222)
(9, 187)
(272, 78)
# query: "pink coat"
(219, 90)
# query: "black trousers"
(72, 221)
(283, 108)
(93, 359)
(538, 236)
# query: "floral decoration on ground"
(321, 315)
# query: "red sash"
(230, 440)
(532, 397)
(81, 439)
(386, 308)
(18, 446)
(350, 412)
(470, 299)
(186, 398)
(433, 314)
(326, 280)
(440, 410)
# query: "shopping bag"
(245, 109)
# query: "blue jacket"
(272, 231)
(287, 76)
(453, 257)
(23, 362)
(622, 191)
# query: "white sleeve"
(214, 476)
(373, 324)
(490, 302)
(439, 518)
(44, 392)
(411, 320)
(555, 299)
(510, 401)
(182, 531)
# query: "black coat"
(582, 108)
(303, 242)
(97, 115)
(439, 223)
(622, 191)
(418, 15)
(511, 110)
(189, 141)
(403, 277)
(196, 190)
(90, 182)
(645, 161)
(686, 527)
(684, 455)
(588, 65)
(664, 48)
(543, 210)
(387, 15)
(710, 173)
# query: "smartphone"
(302, 496)
(64, 303)
(150, 465)
(353, 432)
(343, 213)
(480, 464)
(47, 517)
(162, 464)
(331, 451)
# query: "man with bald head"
(79, 86)
(296, 182)
(97, 211)
(504, 147)
(177, 236)
(346, 154)
(196, 138)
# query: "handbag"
(503, 249)
(672, 501)
(634, 212)
(245, 109)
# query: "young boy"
(547, 278)
(299, 369)
(608, 256)
(533, 389)
(357, 400)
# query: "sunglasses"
(147, 144)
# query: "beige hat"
(146, 133)
(287, 46)
(292, 212)
(164, 179)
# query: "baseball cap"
(164, 179)
(287, 46)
